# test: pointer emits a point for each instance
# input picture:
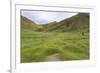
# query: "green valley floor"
(53, 46)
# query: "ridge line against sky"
(44, 17)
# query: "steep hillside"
(28, 24)
(78, 21)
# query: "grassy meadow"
(36, 46)
(66, 40)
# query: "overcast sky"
(43, 17)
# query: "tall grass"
(36, 46)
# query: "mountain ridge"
(81, 20)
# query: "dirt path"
(54, 57)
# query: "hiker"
(83, 34)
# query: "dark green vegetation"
(68, 38)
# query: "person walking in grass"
(83, 34)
